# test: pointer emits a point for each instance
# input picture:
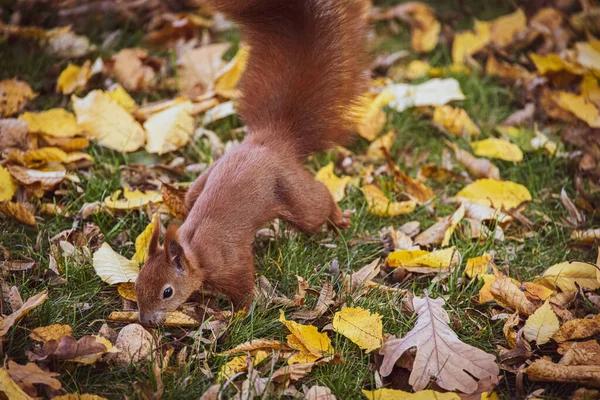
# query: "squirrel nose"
(147, 318)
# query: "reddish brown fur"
(305, 70)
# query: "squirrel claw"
(341, 219)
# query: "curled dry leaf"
(362, 277)
(14, 133)
(478, 167)
(587, 237)
(73, 78)
(360, 326)
(30, 304)
(17, 211)
(175, 318)
(380, 205)
(127, 291)
(468, 43)
(456, 121)
(199, 67)
(255, 345)
(335, 184)
(14, 96)
(130, 69)
(546, 371)
(240, 364)
(579, 328)
(310, 343)
(421, 261)
(112, 267)
(228, 78)
(541, 325)
(506, 292)
(28, 375)
(441, 231)
(319, 393)
(580, 353)
(440, 354)
(480, 212)
(87, 350)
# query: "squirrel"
(306, 70)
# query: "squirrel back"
(305, 71)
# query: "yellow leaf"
(15, 95)
(425, 28)
(112, 267)
(567, 274)
(8, 188)
(198, 67)
(421, 261)
(107, 122)
(456, 217)
(588, 56)
(497, 194)
(77, 396)
(143, 241)
(229, 76)
(170, 129)
(504, 29)
(478, 266)
(380, 205)
(10, 388)
(120, 95)
(132, 200)
(18, 212)
(393, 394)
(485, 293)
(455, 120)
(73, 78)
(468, 43)
(127, 291)
(512, 73)
(316, 343)
(417, 69)
(369, 114)
(541, 325)
(497, 148)
(590, 89)
(335, 184)
(240, 364)
(30, 304)
(257, 344)
(386, 141)
(479, 167)
(44, 155)
(175, 318)
(360, 326)
(56, 122)
(536, 292)
(580, 106)
(552, 63)
(51, 332)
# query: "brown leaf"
(130, 69)
(175, 318)
(440, 353)
(14, 96)
(31, 303)
(323, 302)
(505, 291)
(14, 299)
(580, 353)
(546, 371)
(361, 277)
(18, 212)
(576, 218)
(579, 328)
(14, 133)
(255, 345)
(174, 199)
(521, 117)
(478, 167)
(28, 375)
(87, 350)
(300, 295)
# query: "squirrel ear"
(155, 237)
(173, 250)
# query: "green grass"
(488, 103)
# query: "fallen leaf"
(370, 115)
(546, 371)
(319, 393)
(440, 354)
(132, 200)
(362, 277)
(64, 42)
(455, 120)
(587, 237)
(553, 63)
(87, 350)
(441, 231)
(77, 396)
(392, 394)
(44, 155)
(67, 144)
(73, 78)
(514, 74)
(26, 376)
(567, 274)
(112, 267)
(239, 364)
(130, 69)
(120, 95)
(310, 343)
(435, 92)
(18, 212)
(255, 345)
(579, 328)
(580, 353)
(590, 89)
(174, 199)
(478, 167)
(106, 122)
(56, 122)
(143, 241)
(497, 148)
(375, 152)
(51, 332)
(360, 326)
(228, 78)
(10, 388)
(580, 106)
(424, 262)
(478, 266)
(170, 129)
(535, 292)
(40, 180)
(497, 194)
(468, 43)
(485, 293)
(30, 304)
(588, 55)
(14, 96)
(541, 325)
(199, 67)
(175, 318)
(8, 188)
(218, 112)
(380, 205)
(127, 291)
(506, 292)
(503, 30)
(335, 184)
(425, 28)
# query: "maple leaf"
(440, 353)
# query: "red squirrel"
(305, 71)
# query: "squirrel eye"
(168, 292)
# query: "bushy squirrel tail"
(306, 69)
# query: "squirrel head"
(164, 282)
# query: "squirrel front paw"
(340, 219)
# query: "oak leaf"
(440, 353)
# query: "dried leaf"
(73, 78)
(375, 152)
(588, 55)
(580, 353)
(541, 325)
(228, 78)
(51, 332)
(175, 318)
(424, 262)
(425, 28)
(170, 129)
(362, 277)
(567, 274)
(319, 393)
(380, 205)
(30, 374)
(8, 188)
(478, 167)
(174, 199)
(505, 291)
(497, 194)
(255, 345)
(10, 388)
(84, 396)
(112, 267)
(143, 241)
(335, 184)
(199, 67)
(106, 122)
(587, 237)
(440, 354)
(56, 122)
(392, 394)
(441, 231)
(370, 115)
(435, 92)
(478, 266)
(87, 350)
(307, 340)
(579, 328)
(239, 364)
(132, 200)
(30, 304)
(40, 180)
(497, 148)
(456, 121)
(546, 371)
(218, 112)
(503, 30)
(130, 69)
(18, 212)
(580, 106)
(14, 96)
(468, 43)
(360, 326)
(120, 95)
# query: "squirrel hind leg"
(308, 205)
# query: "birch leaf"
(170, 129)
(56, 122)
(112, 267)
(497, 148)
(541, 325)
(360, 326)
(497, 194)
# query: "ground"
(488, 102)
